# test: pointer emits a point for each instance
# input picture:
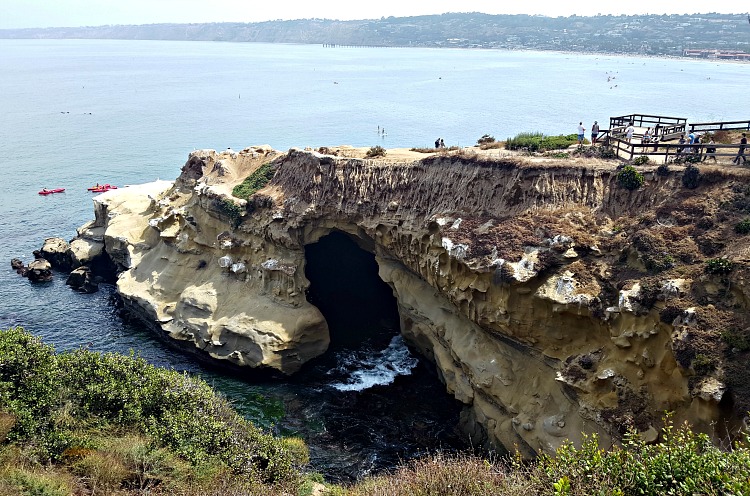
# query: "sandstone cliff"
(551, 300)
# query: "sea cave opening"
(378, 402)
(345, 286)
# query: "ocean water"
(78, 112)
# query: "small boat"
(46, 191)
(101, 188)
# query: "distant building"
(717, 54)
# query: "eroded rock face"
(552, 301)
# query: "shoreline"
(499, 49)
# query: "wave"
(364, 369)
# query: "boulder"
(39, 270)
(57, 252)
(81, 280)
(83, 251)
(18, 265)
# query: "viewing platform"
(665, 132)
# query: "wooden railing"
(670, 151)
(720, 126)
(645, 120)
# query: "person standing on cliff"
(581, 134)
(741, 151)
(594, 132)
(629, 132)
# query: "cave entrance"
(368, 403)
(345, 286)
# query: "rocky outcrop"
(57, 252)
(40, 270)
(551, 300)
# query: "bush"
(29, 383)
(376, 151)
(629, 178)
(742, 227)
(691, 177)
(662, 170)
(230, 210)
(642, 160)
(535, 142)
(736, 339)
(608, 153)
(485, 140)
(684, 463)
(55, 396)
(255, 181)
(719, 266)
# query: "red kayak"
(46, 191)
(102, 188)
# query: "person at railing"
(594, 132)
(681, 146)
(629, 132)
(697, 150)
(710, 151)
(647, 136)
(741, 151)
(581, 134)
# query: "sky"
(73, 13)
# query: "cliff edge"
(552, 300)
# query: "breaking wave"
(363, 369)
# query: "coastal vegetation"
(255, 181)
(87, 423)
(629, 178)
(538, 142)
(106, 422)
(375, 151)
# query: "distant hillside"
(647, 34)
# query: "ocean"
(78, 112)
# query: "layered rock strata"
(551, 300)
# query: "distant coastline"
(641, 35)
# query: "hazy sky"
(58, 13)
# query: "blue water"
(78, 112)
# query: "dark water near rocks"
(123, 112)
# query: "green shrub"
(642, 160)
(662, 170)
(376, 151)
(255, 181)
(54, 396)
(703, 364)
(35, 483)
(560, 155)
(684, 463)
(608, 153)
(231, 210)
(691, 177)
(485, 140)
(742, 227)
(719, 266)
(29, 383)
(629, 178)
(736, 339)
(536, 142)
